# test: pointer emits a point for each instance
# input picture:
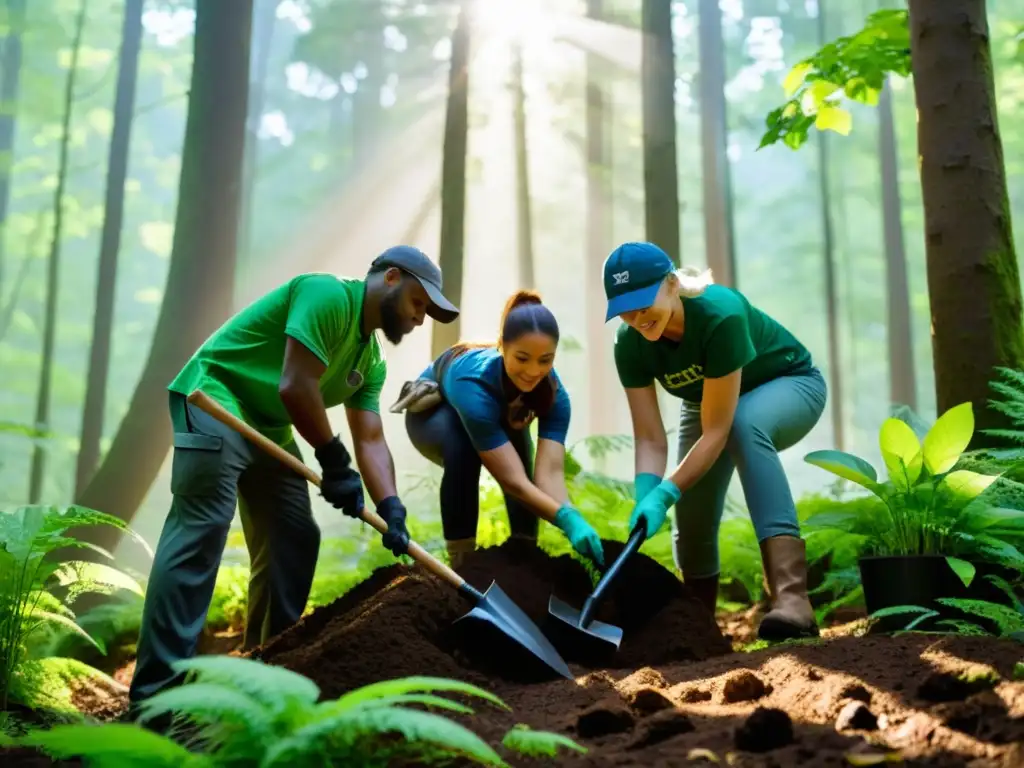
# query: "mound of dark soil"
(403, 621)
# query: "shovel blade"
(570, 617)
(497, 609)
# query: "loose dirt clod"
(948, 686)
(661, 727)
(742, 685)
(766, 729)
(648, 700)
(604, 718)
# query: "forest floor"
(678, 690)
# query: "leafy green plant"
(29, 580)
(1007, 619)
(245, 712)
(854, 66)
(928, 506)
(526, 741)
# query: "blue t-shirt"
(472, 385)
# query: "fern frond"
(426, 699)
(113, 744)
(963, 627)
(207, 703)
(413, 684)
(1006, 619)
(272, 686)
(1012, 435)
(526, 741)
(81, 576)
(344, 735)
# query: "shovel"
(493, 606)
(582, 622)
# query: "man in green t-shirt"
(749, 389)
(281, 362)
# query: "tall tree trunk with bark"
(453, 178)
(902, 379)
(200, 282)
(264, 20)
(524, 223)
(601, 380)
(10, 80)
(658, 87)
(835, 360)
(42, 421)
(973, 278)
(110, 243)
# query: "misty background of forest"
(343, 148)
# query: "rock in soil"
(782, 704)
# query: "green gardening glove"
(581, 534)
(653, 507)
(645, 483)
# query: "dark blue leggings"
(439, 435)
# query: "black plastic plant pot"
(893, 580)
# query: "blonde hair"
(693, 281)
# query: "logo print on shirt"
(690, 375)
(620, 278)
(354, 379)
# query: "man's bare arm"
(373, 456)
(300, 392)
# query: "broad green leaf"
(795, 78)
(901, 452)
(845, 465)
(834, 119)
(820, 90)
(962, 569)
(965, 484)
(65, 622)
(948, 438)
(112, 741)
(526, 741)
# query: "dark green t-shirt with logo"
(240, 365)
(721, 333)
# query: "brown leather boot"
(791, 616)
(705, 589)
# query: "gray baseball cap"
(416, 263)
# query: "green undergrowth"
(233, 711)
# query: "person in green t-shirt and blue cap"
(749, 389)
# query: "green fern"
(113, 745)
(1009, 383)
(526, 741)
(1007, 620)
(245, 712)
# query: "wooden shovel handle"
(207, 404)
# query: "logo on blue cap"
(632, 276)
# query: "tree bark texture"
(658, 85)
(200, 282)
(524, 223)
(110, 244)
(973, 280)
(453, 179)
(37, 471)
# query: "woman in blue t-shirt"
(473, 407)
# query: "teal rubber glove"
(581, 534)
(645, 483)
(653, 507)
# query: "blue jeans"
(772, 417)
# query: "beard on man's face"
(390, 318)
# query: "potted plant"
(935, 529)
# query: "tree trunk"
(524, 228)
(42, 421)
(973, 279)
(264, 19)
(835, 360)
(201, 277)
(719, 237)
(110, 243)
(453, 179)
(9, 82)
(601, 380)
(902, 379)
(658, 86)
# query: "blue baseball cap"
(632, 276)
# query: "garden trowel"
(582, 622)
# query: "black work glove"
(340, 485)
(397, 537)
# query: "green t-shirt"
(240, 365)
(721, 333)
